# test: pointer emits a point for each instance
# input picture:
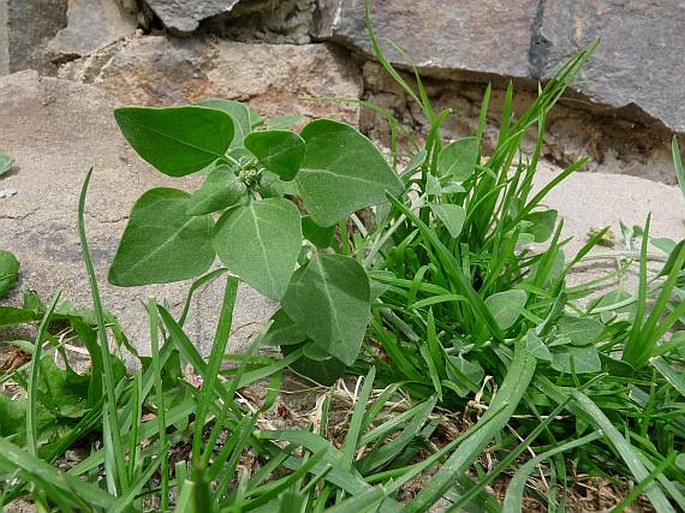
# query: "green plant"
(6, 163)
(453, 298)
(251, 172)
(9, 271)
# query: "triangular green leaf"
(536, 346)
(452, 216)
(459, 158)
(221, 189)
(242, 119)
(260, 242)
(9, 270)
(176, 140)
(541, 224)
(6, 163)
(342, 171)
(580, 331)
(585, 359)
(279, 151)
(321, 237)
(282, 331)
(505, 306)
(161, 242)
(328, 299)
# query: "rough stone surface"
(91, 25)
(640, 57)
(4, 40)
(615, 144)
(56, 130)
(267, 21)
(183, 16)
(275, 79)
(633, 70)
(595, 200)
(438, 35)
(590, 201)
(29, 25)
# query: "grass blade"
(119, 469)
(668, 372)
(513, 500)
(625, 450)
(354, 431)
(32, 412)
(510, 393)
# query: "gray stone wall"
(629, 100)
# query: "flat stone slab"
(276, 79)
(634, 68)
(595, 200)
(91, 24)
(56, 130)
(184, 16)
(591, 201)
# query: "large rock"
(640, 57)
(26, 26)
(183, 17)
(91, 25)
(56, 130)
(635, 68)
(275, 79)
(440, 35)
(271, 21)
(614, 144)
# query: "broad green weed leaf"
(459, 158)
(505, 306)
(585, 359)
(221, 189)
(161, 242)
(470, 370)
(664, 244)
(536, 346)
(580, 331)
(6, 163)
(280, 151)
(242, 119)
(260, 242)
(282, 331)
(315, 352)
(328, 299)
(452, 216)
(342, 171)
(321, 237)
(9, 270)
(433, 186)
(541, 224)
(10, 315)
(326, 372)
(176, 140)
(271, 186)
